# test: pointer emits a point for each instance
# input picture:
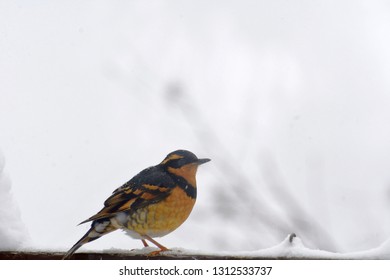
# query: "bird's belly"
(163, 217)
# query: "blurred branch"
(304, 223)
(241, 190)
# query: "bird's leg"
(162, 248)
(144, 242)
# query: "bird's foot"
(156, 253)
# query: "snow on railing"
(291, 248)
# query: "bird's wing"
(148, 187)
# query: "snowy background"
(290, 100)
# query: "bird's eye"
(177, 163)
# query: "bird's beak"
(202, 160)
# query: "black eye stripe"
(177, 163)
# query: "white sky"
(289, 99)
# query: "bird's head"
(184, 164)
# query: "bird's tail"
(98, 229)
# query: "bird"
(152, 204)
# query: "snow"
(289, 101)
(289, 248)
(295, 249)
(13, 233)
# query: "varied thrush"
(153, 203)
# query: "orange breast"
(163, 217)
